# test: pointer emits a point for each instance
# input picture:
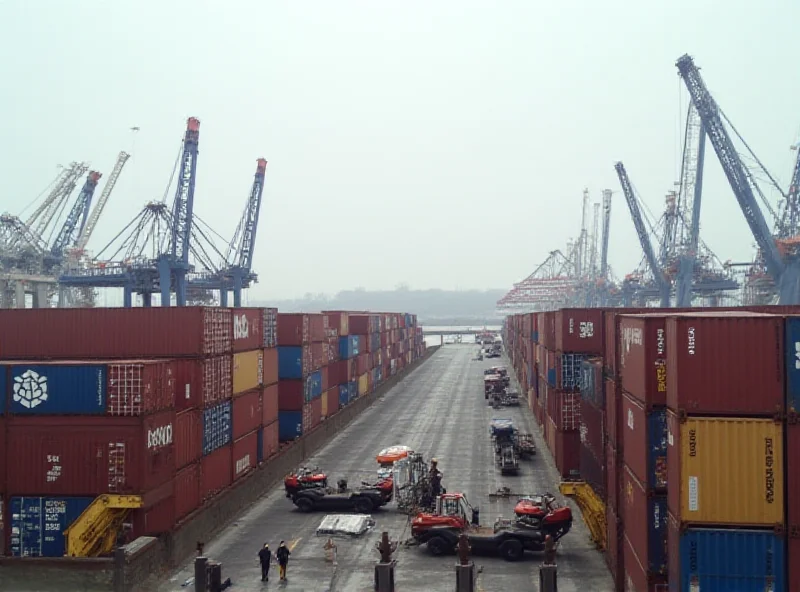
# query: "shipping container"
(3, 453)
(566, 452)
(38, 524)
(187, 490)
(614, 553)
(339, 320)
(613, 469)
(592, 429)
(293, 329)
(247, 413)
(217, 472)
(56, 389)
(726, 560)
(363, 324)
(332, 405)
(349, 346)
(569, 370)
(248, 371)
(312, 388)
(203, 382)
(188, 437)
(643, 357)
(291, 395)
(269, 404)
(579, 330)
(591, 382)
(316, 326)
(290, 425)
(270, 442)
(708, 458)
(104, 333)
(612, 416)
(217, 427)
(645, 442)
(246, 329)
(294, 361)
(89, 456)
(245, 454)
(271, 373)
(645, 519)
(564, 409)
(718, 360)
(547, 329)
(317, 355)
(637, 579)
(363, 384)
(592, 470)
(312, 415)
(270, 326)
(156, 516)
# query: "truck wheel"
(304, 504)
(363, 505)
(437, 546)
(511, 550)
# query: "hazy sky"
(438, 143)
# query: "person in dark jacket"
(282, 554)
(265, 556)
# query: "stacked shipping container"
(172, 404)
(689, 410)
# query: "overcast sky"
(438, 143)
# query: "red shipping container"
(335, 371)
(592, 470)
(157, 518)
(2, 470)
(793, 503)
(291, 395)
(566, 452)
(217, 472)
(203, 382)
(293, 329)
(313, 417)
(188, 437)
(333, 400)
(316, 327)
(613, 425)
(363, 364)
(247, 413)
(793, 561)
(316, 356)
(270, 366)
(270, 442)
(269, 404)
(640, 522)
(89, 455)
(613, 553)
(360, 324)
(592, 429)
(187, 490)
(138, 387)
(613, 468)
(638, 443)
(339, 320)
(643, 357)
(325, 378)
(564, 409)
(718, 361)
(246, 329)
(103, 333)
(579, 330)
(245, 454)
(547, 329)
(636, 578)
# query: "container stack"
(330, 370)
(368, 329)
(299, 382)
(344, 373)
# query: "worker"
(282, 554)
(265, 556)
(435, 477)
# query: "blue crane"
(76, 218)
(604, 248)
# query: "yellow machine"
(95, 531)
(592, 508)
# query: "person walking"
(265, 557)
(282, 555)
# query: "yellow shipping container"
(248, 370)
(363, 384)
(324, 404)
(730, 472)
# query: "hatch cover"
(345, 524)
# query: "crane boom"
(184, 195)
(249, 222)
(76, 219)
(91, 223)
(43, 216)
(606, 229)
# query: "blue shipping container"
(290, 425)
(260, 445)
(290, 362)
(56, 389)
(535, 336)
(792, 344)
(657, 448)
(344, 395)
(551, 377)
(217, 427)
(349, 347)
(38, 524)
(312, 389)
(353, 390)
(714, 560)
(657, 533)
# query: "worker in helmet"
(435, 478)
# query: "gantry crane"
(604, 279)
(76, 219)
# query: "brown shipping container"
(316, 327)
(613, 424)
(792, 480)
(293, 329)
(635, 512)
(793, 561)
(333, 400)
(592, 470)
(717, 362)
(270, 366)
(339, 320)
(640, 447)
(643, 358)
(613, 553)
(269, 404)
(710, 457)
(2, 470)
(564, 409)
(579, 330)
(188, 437)
(217, 472)
(270, 443)
(636, 578)
(567, 453)
(138, 387)
(324, 378)
(592, 429)
(359, 324)
(102, 333)
(245, 455)
(246, 329)
(290, 395)
(547, 329)
(202, 382)
(155, 519)
(613, 469)
(89, 456)
(317, 357)
(314, 417)
(187, 490)
(247, 413)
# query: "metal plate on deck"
(345, 525)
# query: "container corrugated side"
(363, 384)
(643, 357)
(246, 329)
(718, 360)
(270, 440)
(636, 575)
(217, 427)
(56, 389)
(247, 413)
(294, 361)
(293, 329)
(103, 333)
(645, 520)
(645, 442)
(202, 382)
(592, 428)
(248, 370)
(614, 551)
(187, 490)
(613, 471)
(290, 425)
(137, 387)
(38, 524)
(269, 323)
(724, 560)
(245, 454)
(271, 367)
(269, 404)
(217, 472)
(613, 410)
(188, 437)
(708, 458)
(579, 330)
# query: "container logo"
(30, 389)
(241, 328)
(769, 461)
(661, 342)
(630, 336)
(797, 355)
(159, 437)
(691, 341)
(243, 464)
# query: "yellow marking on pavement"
(294, 543)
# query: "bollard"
(548, 578)
(384, 569)
(119, 569)
(200, 577)
(465, 568)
